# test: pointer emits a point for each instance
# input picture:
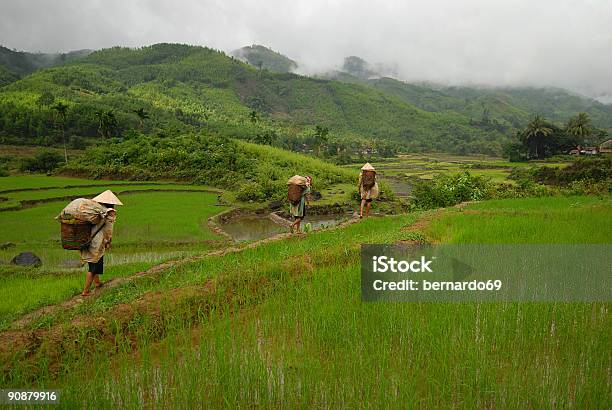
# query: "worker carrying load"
(298, 194)
(368, 188)
(87, 226)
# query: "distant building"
(606, 147)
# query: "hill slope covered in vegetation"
(186, 87)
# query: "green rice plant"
(312, 342)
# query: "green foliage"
(257, 172)
(584, 169)
(20, 62)
(7, 76)
(541, 139)
(448, 190)
(45, 161)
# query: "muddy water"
(323, 221)
(252, 227)
(400, 186)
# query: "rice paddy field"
(158, 222)
(280, 323)
(401, 172)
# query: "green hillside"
(264, 57)
(21, 63)
(504, 110)
(195, 88)
(510, 108)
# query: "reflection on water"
(249, 228)
(323, 221)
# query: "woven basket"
(75, 234)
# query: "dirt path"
(23, 322)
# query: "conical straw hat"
(367, 167)
(107, 197)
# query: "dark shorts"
(300, 217)
(98, 267)
(368, 200)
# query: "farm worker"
(94, 255)
(368, 188)
(298, 199)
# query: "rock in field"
(26, 259)
(274, 205)
(316, 195)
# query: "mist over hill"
(20, 63)
(197, 89)
(264, 57)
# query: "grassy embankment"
(283, 325)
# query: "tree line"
(541, 138)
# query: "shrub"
(589, 187)
(593, 169)
(250, 191)
(45, 161)
(257, 171)
(448, 190)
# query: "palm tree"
(142, 115)
(579, 126)
(535, 134)
(107, 123)
(62, 113)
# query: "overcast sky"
(565, 43)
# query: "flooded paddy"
(252, 227)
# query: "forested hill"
(14, 64)
(167, 89)
(510, 107)
(187, 87)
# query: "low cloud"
(563, 43)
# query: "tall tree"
(45, 99)
(579, 126)
(142, 115)
(535, 135)
(62, 113)
(107, 123)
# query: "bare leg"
(363, 201)
(368, 206)
(298, 222)
(88, 279)
(96, 281)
